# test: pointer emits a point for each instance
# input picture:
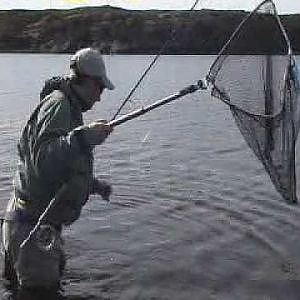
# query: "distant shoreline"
(136, 54)
(120, 31)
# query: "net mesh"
(255, 74)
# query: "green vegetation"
(116, 30)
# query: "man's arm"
(54, 146)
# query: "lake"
(193, 214)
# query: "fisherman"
(55, 160)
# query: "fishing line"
(162, 49)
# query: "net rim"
(239, 27)
(210, 78)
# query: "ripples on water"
(193, 215)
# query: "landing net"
(255, 74)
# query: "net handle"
(201, 85)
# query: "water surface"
(193, 214)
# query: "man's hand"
(96, 132)
(102, 188)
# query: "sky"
(283, 6)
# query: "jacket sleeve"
(54, 147)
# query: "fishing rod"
(115, 122)
(162, 49)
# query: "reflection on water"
(193, 214)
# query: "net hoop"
(221, 57)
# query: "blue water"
(193, 214)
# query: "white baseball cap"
(89, 62)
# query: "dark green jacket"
(52, 152)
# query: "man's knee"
(37, 268)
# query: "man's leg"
(8, 272)
(34, 265)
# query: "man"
(55, 160)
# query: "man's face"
(93, 90)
